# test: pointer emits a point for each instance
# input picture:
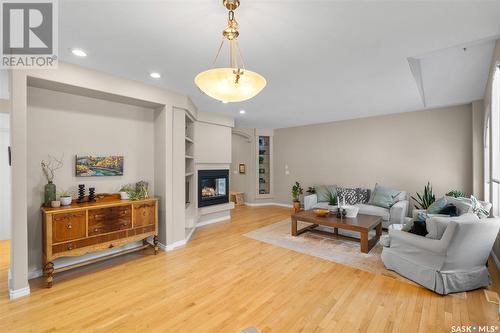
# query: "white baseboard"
(214, 220)
(175, 245)
(256, 204)
(495, 259)
(13, 294)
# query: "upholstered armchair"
(454, 263)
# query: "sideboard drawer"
(107, 220)
(68, 226)
(144, 214)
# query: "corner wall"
(401, 151)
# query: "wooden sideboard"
(96, 226)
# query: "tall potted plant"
(425, 199)
(296, 192)
(49, 167)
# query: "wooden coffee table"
(362, 224)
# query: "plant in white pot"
(65, 198)
(125, 191)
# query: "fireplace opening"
(213, 187)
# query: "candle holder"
(92, 194)
(81, 193)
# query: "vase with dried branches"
(49, 167)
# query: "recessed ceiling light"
(242, 112)
(79, 52)
(155, 75)
(225, 102)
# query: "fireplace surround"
(213, 187)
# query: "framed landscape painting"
(98, 165)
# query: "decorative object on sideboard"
(426, 199)
(456, 194)
(142, 189)
(124, 191)
(55, 204)
(81, 193)
(139, 191)
(49, 167)
(65, 198)
(98, 165)
(262, 170)
(261, 159)
(92, 194)
(242, 168)
(296, 192)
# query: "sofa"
(393, 215)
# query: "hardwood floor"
(224, 282)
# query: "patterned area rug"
(323, 246)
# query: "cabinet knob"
(70, 247)
(96, 229)
(69, 226)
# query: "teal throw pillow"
(436, 206)
(383, 196)
(323, 192)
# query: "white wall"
(60, 123)
(212, 143)
(401, 151)
(5, 216)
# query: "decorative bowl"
(321, 212)
(55, 204)
(351, 211)
(65, 201)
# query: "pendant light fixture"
(234, 83)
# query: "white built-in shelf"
(189, 174)
(189, 157)
(188, 139)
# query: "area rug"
(326, 247)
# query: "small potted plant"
(296, 192)
(65, 198)
(125, 191)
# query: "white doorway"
(5, 193)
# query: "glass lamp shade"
(219, 83)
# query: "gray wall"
(62, 123)
(402, 151)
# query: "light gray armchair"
(454, 263)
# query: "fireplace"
(213, 187)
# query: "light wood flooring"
(223, 281)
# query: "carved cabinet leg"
(48, 271)
(155, 243)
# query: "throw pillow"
(363, 195)
(383, 196)
(436, 226)
(322, 191)
(464, 205)
(350, 195)
(418, 228)
(436, 206)
(449, 209)
(478, 208)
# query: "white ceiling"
(323, 60)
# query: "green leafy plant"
(296, 191)
(426, 199)
(126, 188)
(456, 194)
(332, 199)
(64, 194)
(311, 190)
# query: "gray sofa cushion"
(366, 209)
(437, 225)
